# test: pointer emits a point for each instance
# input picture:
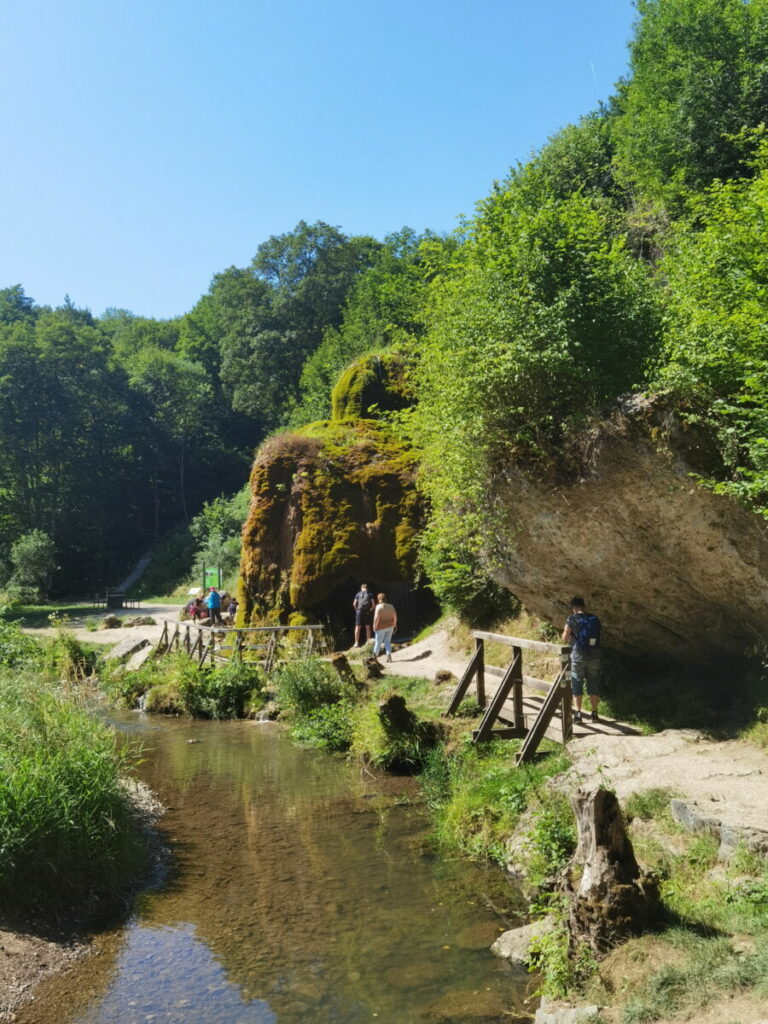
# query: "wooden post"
(484, 732)
(271, 644)
(538, 729)
(480, 670)
(566, 696)
(162, 643)
(517, 688)
(463, 684)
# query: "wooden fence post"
(518, 714)
(566, 698)
(480, 671)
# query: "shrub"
(551, 839)
(33, 557)
(66, 825)
(328, 727)
(66, 658)
(16, 648)
(309, 683)
(650, 804)
(221, 692)
(477, 794)
(402, 744)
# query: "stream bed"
(302, 890)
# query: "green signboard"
(212, 577)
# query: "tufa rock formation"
(673, 569)
(333, 503)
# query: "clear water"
(302, 890)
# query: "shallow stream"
(302, 891)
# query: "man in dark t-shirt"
(582, 632)
(363, 605)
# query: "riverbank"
(484, 806)
(45, 946)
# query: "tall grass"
(477, 794)
(67, 832)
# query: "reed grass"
(67, 829)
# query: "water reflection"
(301, 891)
(189, 985)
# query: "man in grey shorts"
(582, 632)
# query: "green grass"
(710, 967)
(478, 794)
(39, 615)
(67, 831)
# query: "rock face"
(333, 504)
(673, 569)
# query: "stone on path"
(130, 645)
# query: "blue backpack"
(586, 631)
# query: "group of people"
(211, 607)
(582, 632)
(376, 617)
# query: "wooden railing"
(512, 681)
(217, 644)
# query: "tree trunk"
(610, 897)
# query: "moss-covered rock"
(332, 504)
(371, 385)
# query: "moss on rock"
(371, 385)
(331, 502)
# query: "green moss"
(371, 385)
(332, 501)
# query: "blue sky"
(147, 144)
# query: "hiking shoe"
(389, 657)
(577, 716)
(595, 717)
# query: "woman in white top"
(384, 625)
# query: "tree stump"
(610, 897)
(342, 666)
(397, 716)
(373, 669)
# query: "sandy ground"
(159, 612)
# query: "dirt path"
(79, 625)
(726, 781)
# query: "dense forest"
(628, 254)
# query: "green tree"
(33, 557)
(15, 305)
(699, 76)
(543, 316)
(715, 355)
(300, 282)
(67, 444)
(384, 307)
(179, 400)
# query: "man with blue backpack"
(582, 632)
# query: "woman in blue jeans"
(384, 625)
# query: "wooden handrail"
(518, 641)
